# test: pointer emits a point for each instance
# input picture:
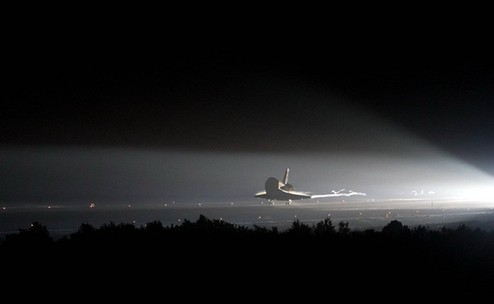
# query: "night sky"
(220, 97)
(230, 96)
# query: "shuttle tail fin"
(285, 177)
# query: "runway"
(360, 214)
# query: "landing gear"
(289, 202)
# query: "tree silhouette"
(324, 228)
(395, 228)
(446, 255)
(154, 227)
(343, 228)
(299, 229)
(35, 236)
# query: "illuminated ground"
(360, 214)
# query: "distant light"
(166, 205)
(199, 204)
(4, 208)
(259, 217)
(479, 192)
(129, 205)
(92, 205)
(49, 207)
(179, 220)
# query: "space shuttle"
(276, 190)
(281, 190)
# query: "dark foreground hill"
(323, 257)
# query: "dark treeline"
(322, 253)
